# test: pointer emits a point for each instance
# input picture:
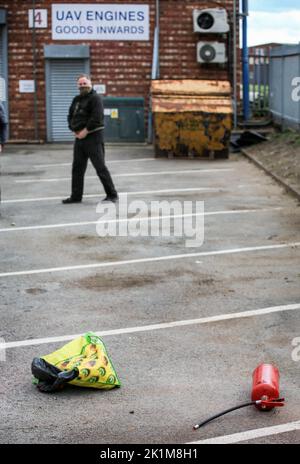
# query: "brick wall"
(125, 67)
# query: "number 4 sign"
(40, 17)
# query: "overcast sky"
(274, 21)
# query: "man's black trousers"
(91, 147)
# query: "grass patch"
(288, 136)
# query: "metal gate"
(61, 75)
(259, 69)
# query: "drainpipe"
(157, 38)
(245, 60)
(234, 65)
(35, 109)
(155, 69)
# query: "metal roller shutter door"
(62, 89)
(2, 80)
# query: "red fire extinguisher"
(264, 395)
(265, 386)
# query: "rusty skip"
(192, 117)
(190, 87)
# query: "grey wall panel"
(284, 67)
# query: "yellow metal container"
(191, 117)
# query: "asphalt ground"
(63, 280)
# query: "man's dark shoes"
(70, 200)
(113, 199)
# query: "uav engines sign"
(75, 21)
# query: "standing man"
(3, 127)
(86, 121)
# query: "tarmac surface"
(58, 278)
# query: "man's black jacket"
(3, 125)
(86, 111)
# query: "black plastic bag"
(50, 378)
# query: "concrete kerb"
(278, 179)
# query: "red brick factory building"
(114, 42)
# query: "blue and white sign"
(75, 21)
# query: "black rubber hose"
(223, 413)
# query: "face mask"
(84, 90)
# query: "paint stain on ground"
(100, 282)
(35, 291)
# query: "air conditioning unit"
(211, 20)
(211, 52)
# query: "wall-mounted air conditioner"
(211, 20)
(211, 52)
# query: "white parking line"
(149, 260)
(165, 325)
(250, 434)
(107, 162)
(146, 218)
(130, 174)
(143, 192)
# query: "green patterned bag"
(88, 354)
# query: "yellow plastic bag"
(88, 354)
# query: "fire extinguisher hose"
(243, 405)
(264, 404)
